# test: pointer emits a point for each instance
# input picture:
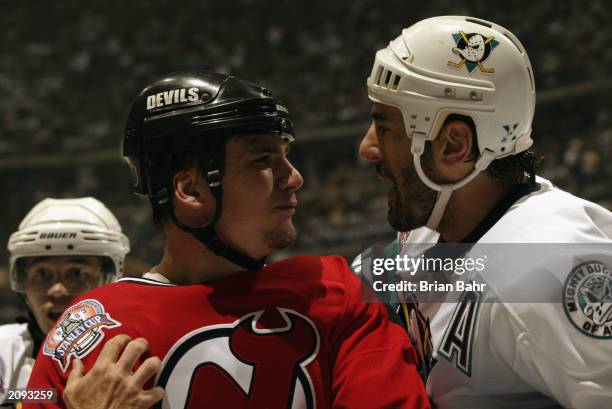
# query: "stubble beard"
(280, 237)
(413, 202)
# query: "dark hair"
(196, 153)
(180, 161)
(513, 169)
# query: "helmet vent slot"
(481, 22)
(99, 237)
(388, 77)
(379, 72)
(513, 41)
(530, 78)
(396, 82)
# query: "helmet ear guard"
(457, 65)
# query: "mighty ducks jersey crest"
(587, 298)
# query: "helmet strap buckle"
(162, 196)
(214, 178)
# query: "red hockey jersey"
(295, 334)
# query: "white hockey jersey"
(16, 360)
(529, 355)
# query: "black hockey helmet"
(196, 111)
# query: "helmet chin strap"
(444, 191)
(207, 234)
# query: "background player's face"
(259, 198)
(52, 283)
(387, 144)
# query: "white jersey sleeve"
(16, 360)
(564, 350)
(540, 345)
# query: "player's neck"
(469, 205)
(187, 261)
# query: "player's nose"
(368, 148)
(58, 291)
(290, 178)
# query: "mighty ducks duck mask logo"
(473, 49)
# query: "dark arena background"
(69, 69)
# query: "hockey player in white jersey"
(453, 102)
(63, 247)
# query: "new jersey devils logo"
(243, 365)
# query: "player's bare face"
(387, 144)
(52, 282)
(259, 194)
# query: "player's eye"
(39, 279)
(381, 130)
(73, 273)
(43, 275)
(79, 274)
(263, 160)
(78, 279)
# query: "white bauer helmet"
(457, 65)
(66, 227)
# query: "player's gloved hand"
(112, 382)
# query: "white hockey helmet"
(457, 65)
(66, 227)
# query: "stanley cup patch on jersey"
(77, 332)
(250, 365)
(587, 299)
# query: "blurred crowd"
(69, 70)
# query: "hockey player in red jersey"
(209, 151)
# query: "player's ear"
(184, 184)
(189, 188)
(191, 199)
(455, 143)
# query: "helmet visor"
(77, 274)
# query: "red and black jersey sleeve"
(374, 364)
